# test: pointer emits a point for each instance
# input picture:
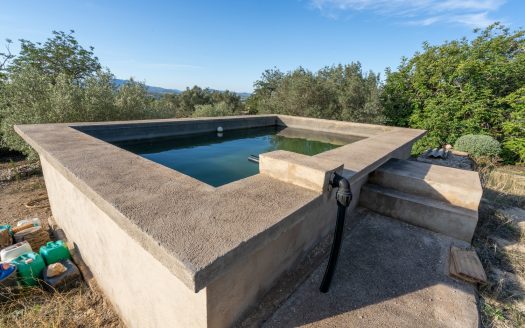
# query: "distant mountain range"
(160, 91)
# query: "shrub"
(514, 128)
(210, 110)
(463, 87)
(478, 145)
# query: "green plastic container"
(29, 267)
(55, 251)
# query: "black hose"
(344, 197)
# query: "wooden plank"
(465, 264)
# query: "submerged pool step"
(422, 211)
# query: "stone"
(55, 269)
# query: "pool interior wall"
(218, 158)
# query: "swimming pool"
(220, 158)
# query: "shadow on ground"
(389, 274)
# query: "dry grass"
(79, 307)
(26, 197)
(502, 299)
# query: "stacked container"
(55, 251)
(10, 253)
(29, 266)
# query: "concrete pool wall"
(169, 250)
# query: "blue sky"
(228, 44)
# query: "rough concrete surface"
(390, 274)
(421, 211)
(301, 170)
(195, 230)
(458, 187)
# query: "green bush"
(34, 98)
(478, 145)
(210, 110)
(514, 128)
(341, 92)
(463, 87)
(60, 81)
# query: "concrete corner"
(300, 170)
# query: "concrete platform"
(441, 199)
(421, 211)
(390, 274)
(211, 252)
(454, 186)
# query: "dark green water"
(218, 160)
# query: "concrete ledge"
(454, 186)
(339, 127)
(136, 130)
(300, 170)
(149, 297)
(423, 212)
(364, 156)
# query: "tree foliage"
(456, 88)
(59, 55)
(60, 81)
(461, 87)
(218, 109)
(342, 92)
(5, 58)
(514, 127)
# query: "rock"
(55, 269)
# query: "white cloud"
(473, 13)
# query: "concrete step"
(454, 186)
(434, 215)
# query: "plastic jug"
(10, 253)
(29, 266)
(55, 251)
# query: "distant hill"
(160, 91)
(151, 89)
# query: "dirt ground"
(26, 197)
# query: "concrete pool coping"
(197, 231)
